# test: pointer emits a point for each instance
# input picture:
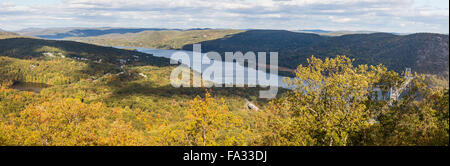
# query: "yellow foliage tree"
(68, 122)
(209, 123)
(420, 117)
(327, 106)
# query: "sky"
(401, 16)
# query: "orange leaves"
(208, 118)
(70, 122)
(208, 123)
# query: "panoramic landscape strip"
(257, 78)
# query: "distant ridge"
(336, 33)
(5, 34)
(60, 33)
(315, 31)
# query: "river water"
(227, 77)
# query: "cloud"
(376, 15)
(342, 20)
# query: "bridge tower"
(394, 92)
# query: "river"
(225, 77)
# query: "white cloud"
(342, 19)
(376, 15)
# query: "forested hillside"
(27, 48)
(424, 53)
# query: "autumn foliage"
(334, 103)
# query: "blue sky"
(403, 16)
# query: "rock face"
(251, 106)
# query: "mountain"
(5, 34)
(28, 48)
(423, 52)
(260, 40)
(44, 31)
(60, 33)
(169, 39)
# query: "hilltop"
(5, 34)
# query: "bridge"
(395, 92)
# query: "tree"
(209, 122)
(327, 106)
(68, 122)
(420, 117)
